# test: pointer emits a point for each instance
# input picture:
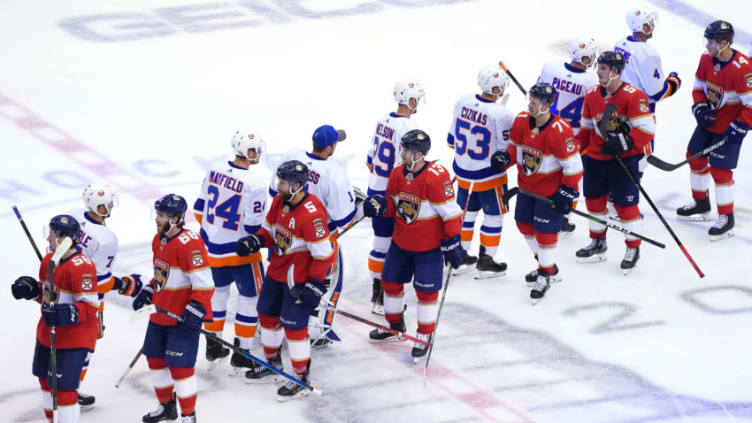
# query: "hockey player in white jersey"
(99, 243)
(383, 156)
(479, 127)
(571, 80)
(644, 70)
(329, 183)
(231, 205)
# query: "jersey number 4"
(572, 112)
(480, 134)
(227, 210)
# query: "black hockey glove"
(26, 288)
(617, 143)
(735, 132)
(312, 291)
(500, 160)
(453, 251)
(60, 314)
(193, 316)
(703, 115)
(249, 245)
(563, 199)
(144, 296)
(374, 206)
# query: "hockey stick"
(446, 285)
(49, 299)
(596, 219)
(603, 126)
(26, 230)
(668, 167)
(130, 367)
(508, 72)
(378, 326)
(153, 308)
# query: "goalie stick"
(668, 167)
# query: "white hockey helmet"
(405, 90)
(640, 16)
(583, 47)
(96, 195)
(490, 77)
(243, 141)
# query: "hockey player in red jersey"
(426, 233)
(548, 164)
(630, 129)
(70, 306)
(296, 227)
(723, 109)
(183, 285)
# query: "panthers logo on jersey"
(531, 159)
(282, 240)
(408, 207)
(715, 95)
(161, 273)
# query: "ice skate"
(595, 252)
(291, 390)
(165, 412)
(567, 228)
(540, 287)
(215, 352)
(531, 277)
(487, 267)
(380, 335)
(191, 418)
(377, 298)
(630, 260)
(85, 401)
(420, 350)
(723, 227)
(239, 362)
(259, 374)
(696, 210)
(468, 264)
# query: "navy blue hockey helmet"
(719, 31)
(172, 204)
(293, 171)
(64, 224)
(543, 91)
(416, 140)
(612, 59)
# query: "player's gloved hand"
(674, 81)
(249, 245)
(26, 288)
(128, 285)
(374, 206)
(193, 316)
(500, 160)
(703, 115)
(60, 314)
(617, 143)
(144, 296)
(312, 291)
(735, 132)
(359, 196)
(453, 251)
(563, 199)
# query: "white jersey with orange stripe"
(479, 128)
(384, 154)
(231, 205)
(98, 243)
(643, 68)
(571, 85)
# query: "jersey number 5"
(480, 134)
(227, 210)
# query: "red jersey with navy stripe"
(300, 237)
(546, 156)
(75, 281)
(726, 87)
(632, 107)
(424, 206)
(181, 275)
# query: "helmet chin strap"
(172, 225)
(720, 50)
(412, 162)
(610, 78)
(292, 193)
(539, 111)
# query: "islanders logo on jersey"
(282, 239)
(531, 159)
(408, 207)
(161, 273)
(715, 95)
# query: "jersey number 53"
(465, 133)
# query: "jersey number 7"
(227, 210)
